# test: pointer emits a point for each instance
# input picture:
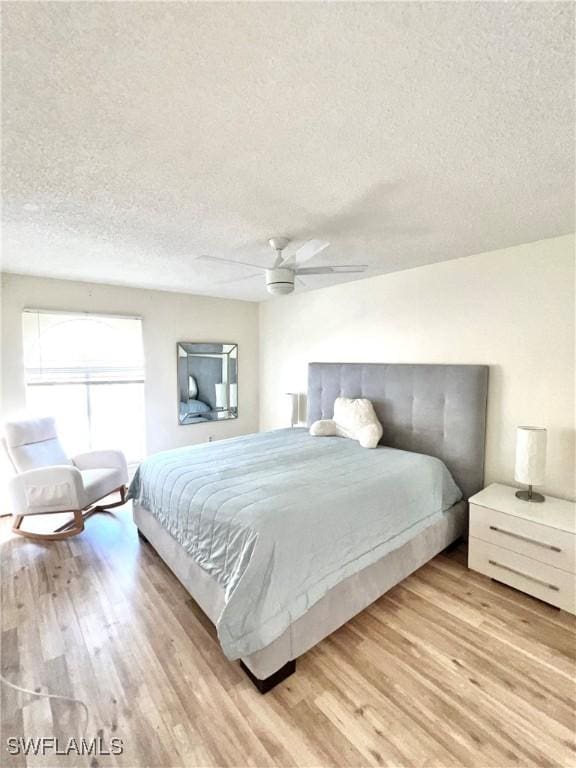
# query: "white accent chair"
(47, 481)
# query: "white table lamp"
(530, 466)
(293, 408)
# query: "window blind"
(68, 348)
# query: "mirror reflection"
(207, 382)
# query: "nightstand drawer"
(548, 545)
(538, 579)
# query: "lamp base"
(530, 495)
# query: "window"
(88, 372)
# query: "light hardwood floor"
(447, 669)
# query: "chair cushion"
(35, 455)
(100, 482)
(29, 431)
(33, 443)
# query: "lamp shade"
(221, 395)
(530, 466)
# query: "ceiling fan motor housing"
(279, 281)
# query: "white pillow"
(354, 418)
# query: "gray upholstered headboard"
(439, 410)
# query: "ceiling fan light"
(280, 289)
(279, 281)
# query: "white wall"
(511, 309)
(167, 319)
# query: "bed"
(282, 537)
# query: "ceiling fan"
(281, 276)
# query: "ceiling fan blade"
(340, 269)
(239, 279)
(307, 251)
(229, 261)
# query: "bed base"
(454, 545)
(265, 685)
(277, 661)
(270, 682)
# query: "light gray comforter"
(279, 518)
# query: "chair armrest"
(102, 460)
(57, 488)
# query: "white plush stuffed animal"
(354, 418)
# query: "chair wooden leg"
(79, 520)
(17, 523)
(71, 528)
(105, 507)
(58, 535)
(72, 524)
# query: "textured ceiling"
(138, 136)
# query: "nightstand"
(529, 546)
